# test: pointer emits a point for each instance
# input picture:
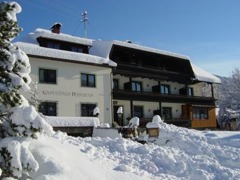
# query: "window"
(167, 113)
(136, 86)
(165, 89)
(47, 76)
(53, 45)
(138, 111)
(87, 110)
(48, 108)
(115, 83)
(190, 91)
(88, 80)
(77, 49)
(200, 113)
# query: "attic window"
(77, 49)
(53, 45)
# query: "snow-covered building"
(76, 75)
(150, 82)
(70, 81)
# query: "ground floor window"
(138, 111)
(200, 112)
(87, 109)
(167, 113)
(48, 108)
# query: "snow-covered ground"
(178, 153)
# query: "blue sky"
(208, 31)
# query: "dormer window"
(53, 45)
(77, 49)
(63, 45)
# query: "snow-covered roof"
(103, 48)
(72, 121)
(202, 75)
(32, 37)
(33, 49)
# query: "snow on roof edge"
(34, 49)
(32, 37)
(103, 48)
(205, 76)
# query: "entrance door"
(167, 113)
(118, 117)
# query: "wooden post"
(131, 102)
(160, 108)
(212, 89)
(186, 87)
(131, 107)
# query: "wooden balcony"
(158, 97)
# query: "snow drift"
(178, 153)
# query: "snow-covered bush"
(25, 121)
(34, 100)
(19, 122)
(134, 122)
(16, 160)
(157, 119)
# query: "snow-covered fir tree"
(19, 122)
(34, 100)
(12, 67)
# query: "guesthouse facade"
(69, 82)
(150, 82)
(74, 75)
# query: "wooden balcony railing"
(158, 97)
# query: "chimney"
(56, 28)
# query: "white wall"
(148, 107)
(176, 109)
(68, 91)
(121, 80)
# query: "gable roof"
(32, 37)
(100, 51)
(30, 46)
(103, 48)
(35, 50)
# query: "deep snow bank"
(180, 154)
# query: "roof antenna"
(84, 20)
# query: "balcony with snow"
(148, 82)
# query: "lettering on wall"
(67, 93)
